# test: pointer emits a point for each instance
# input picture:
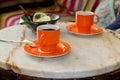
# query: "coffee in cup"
(48, 37)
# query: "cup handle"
(42, 40)
(97, 17)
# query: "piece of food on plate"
(40, 17)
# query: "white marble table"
(89, 56)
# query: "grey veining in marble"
(89, 55)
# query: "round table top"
(89, 56)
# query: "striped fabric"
(10, 19)
(75, 5)
(67, 7)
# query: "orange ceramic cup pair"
(85, 20)
(48, 37)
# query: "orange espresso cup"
(48, 37)
(85, 20)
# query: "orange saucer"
(72, 28)
(62, 49)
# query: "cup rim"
(83, 12)
(48, 26)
